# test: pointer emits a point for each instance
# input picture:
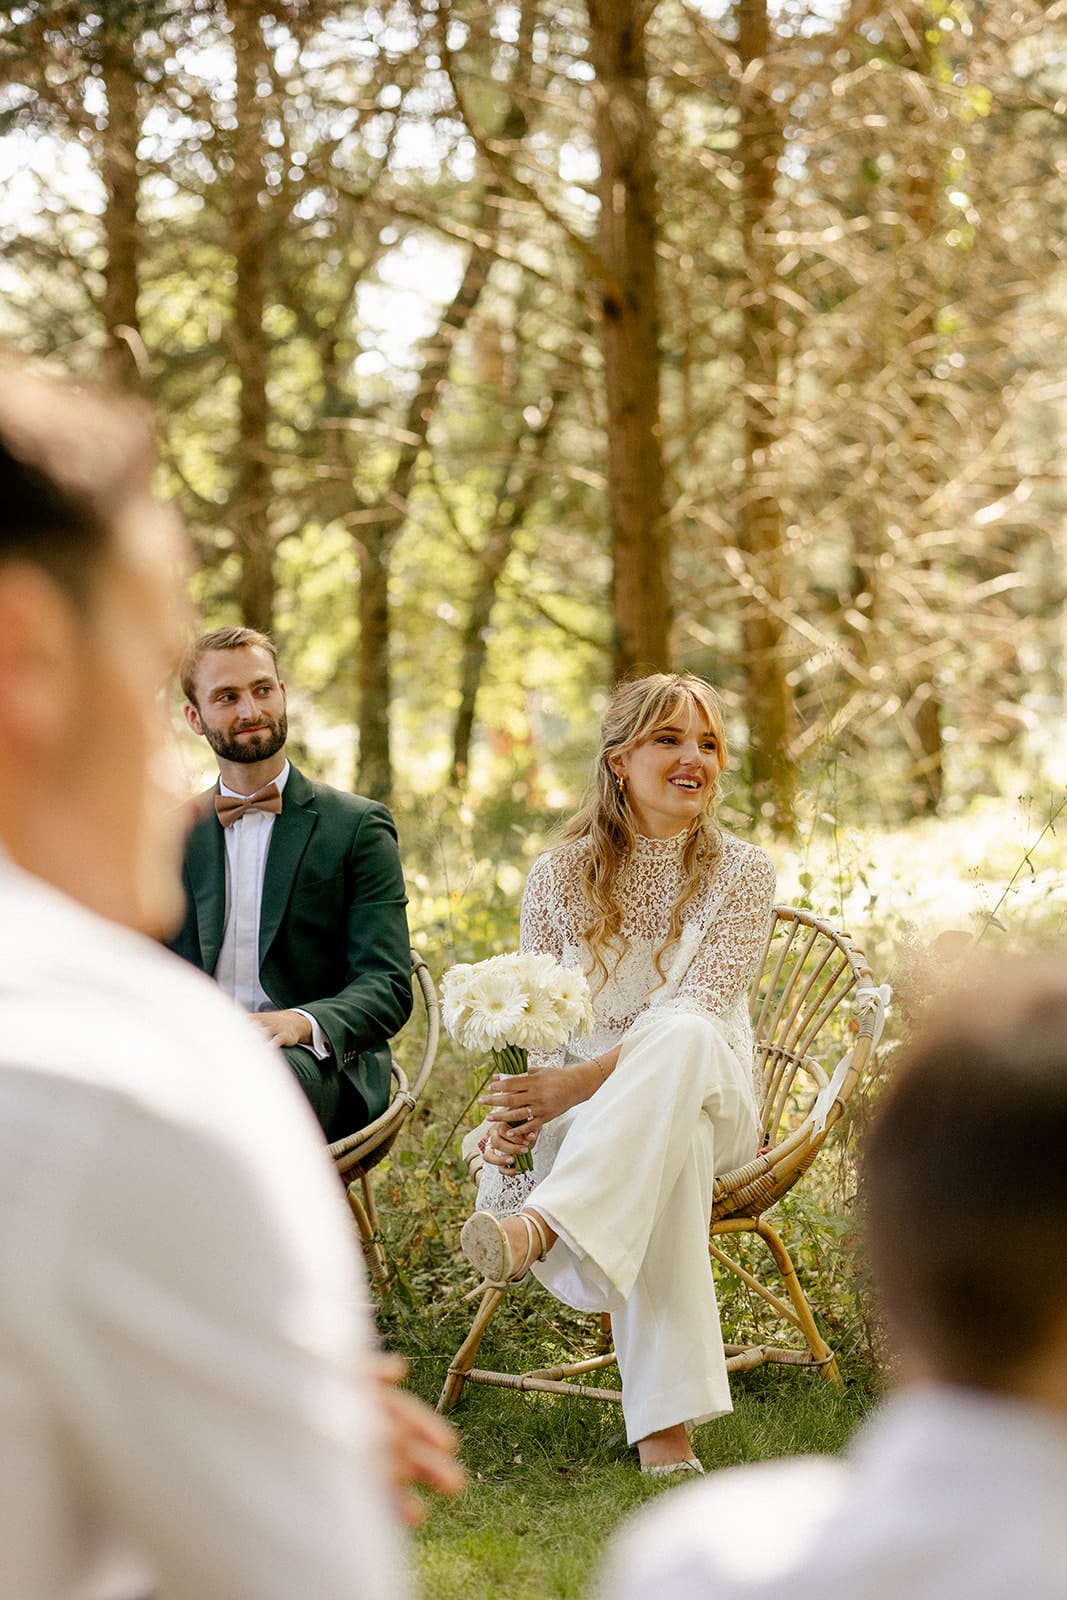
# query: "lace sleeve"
(733, 943)
(540, 931)
(539, 924)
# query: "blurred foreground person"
(955, 1491)
(189, 1403)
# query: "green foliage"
(912, 246)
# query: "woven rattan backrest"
(369, 1145)
(799, 1024)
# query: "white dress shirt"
(237, 970)
(184, 1400)
(948, 1494)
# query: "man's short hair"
(234, 638)
(965, 1191)
(72, 462)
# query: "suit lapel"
(288, 841)
(205, 856)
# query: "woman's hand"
(520, 1105)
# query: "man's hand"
(283, 1027)
(421, 1445)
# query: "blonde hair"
(637, 708)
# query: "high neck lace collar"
(662, 850)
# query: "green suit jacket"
(333, 932)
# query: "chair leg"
(366, 1215)
(463, 1359)
(816, 1343)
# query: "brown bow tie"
(228, 807)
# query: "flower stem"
(512, 1060)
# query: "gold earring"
(620, 785)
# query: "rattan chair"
(801, 1027)
(357, 1155)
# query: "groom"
(294, 893)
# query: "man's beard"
(259, 748)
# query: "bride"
(666, 913)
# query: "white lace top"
(707, 970)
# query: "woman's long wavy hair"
(638, 707)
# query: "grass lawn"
(551, 1479)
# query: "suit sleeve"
(376, 999)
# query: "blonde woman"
(666, 913)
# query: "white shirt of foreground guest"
(184, 1404)
(948, 1494)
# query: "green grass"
(549, 1480)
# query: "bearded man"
(295, 894)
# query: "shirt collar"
(280, 780)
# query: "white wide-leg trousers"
(630, 1196)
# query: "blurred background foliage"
(497, 347)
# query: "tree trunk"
(923, 703)
(628, 229)
(122, 231)
(761, 527)
(928, 769)
(375, 778)
(376, 535)
(512, 505)
(251, 500)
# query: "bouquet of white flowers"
(511, 1004)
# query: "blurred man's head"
(92, 608)
(966, 1197)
